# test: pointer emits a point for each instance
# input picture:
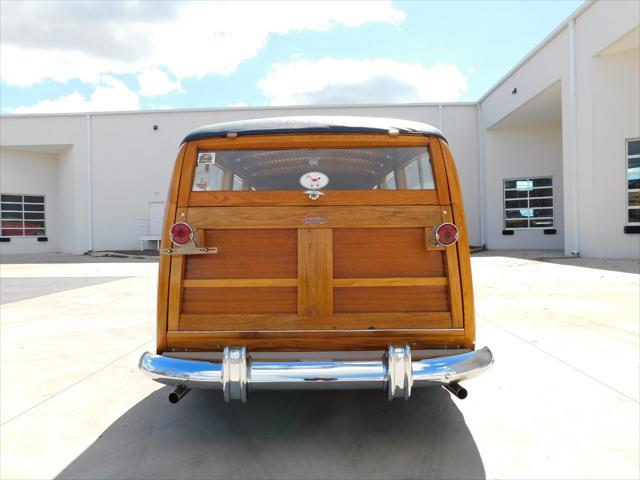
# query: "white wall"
(57, 132)
(616, 88)
(520, 152)
(128, 143)
(25, 172)
(460, 126)
(600, 109)
(601, 129)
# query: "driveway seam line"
(564, 362)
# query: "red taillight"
(446, 234)
(181, 233)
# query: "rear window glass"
(399, 168)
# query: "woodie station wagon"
(315, 253)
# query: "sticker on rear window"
(314, 180)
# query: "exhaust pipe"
(457, 390)
(177, 394)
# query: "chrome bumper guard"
(394, 373)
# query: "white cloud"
(330, 81)
(86, 40)
(155, 82)
(109, 95)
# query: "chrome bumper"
(394, 373)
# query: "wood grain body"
(463, 251)
(296, 341)
(333, 197)
(360, 276)
(216, 218)
(391, 299)
(260, 253)
(164, 267)
(389, 282)
(240, 300)
(389, 252)
(315, 272)
(289, 322)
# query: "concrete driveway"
(562, 400)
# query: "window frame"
(528, 207)
(424, 178)
(438, 150)
(23, 211)
(628, 190)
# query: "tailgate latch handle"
(314, 194)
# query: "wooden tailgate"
(356, 272)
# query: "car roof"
(313, 124)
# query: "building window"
(633, 181)
(22, 215)
(528, 203)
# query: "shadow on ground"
(299, 435)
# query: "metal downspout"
(89, 179)
(482, 172)
(575, 196)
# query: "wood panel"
(453, 273)
(240, 300)
(260, 253)
(389, 282)
(464, 254)
(337, 283)
(332, 197)
(315, 272)
(380, 262)
(187, 174)
(294, 217)
(313, 140)
(440, 174)
(164, 267)
(391, 299)
(351, 321)
(175, 291)
(397, 252)
(242, 282)
(317, 341)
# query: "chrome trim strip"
(237, 374)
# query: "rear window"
(399, 168)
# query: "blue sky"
(94, 56)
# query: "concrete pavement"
(560, 402)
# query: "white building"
(567, 118)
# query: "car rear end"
(270, 281)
